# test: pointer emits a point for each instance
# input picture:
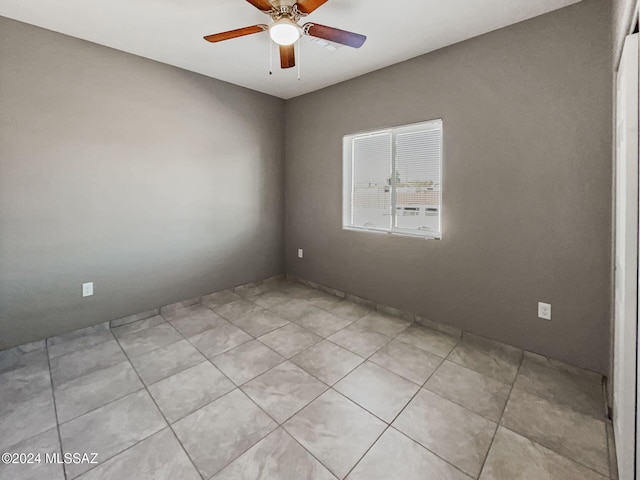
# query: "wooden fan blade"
(240, 32)
(263, 5)
(287, 56)
(308, 6)
(342, 37)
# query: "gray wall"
(527, 202)
(155, 183)
(622, 18)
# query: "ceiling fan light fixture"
(284, 32)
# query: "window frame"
(348, 185)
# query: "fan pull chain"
(270, 58)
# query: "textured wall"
(527, 185)
(155, 183)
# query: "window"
(393, 179)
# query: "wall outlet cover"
(544, 311)
(300, 253)
(87, 289)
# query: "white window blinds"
(393, 178)
(370, 200)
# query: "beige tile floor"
(285, 382)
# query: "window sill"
(394, 233)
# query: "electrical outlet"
(300, 253)
(87, 289)
(544, 311)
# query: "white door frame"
(626, 263)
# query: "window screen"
(393, 178)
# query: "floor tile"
(276, 457)
(284, 390)
(349, 310)
(86, 360)
(137, 326)
(327, 361)
(454, 433)
(166, 361)
(582, 394)
(26, 401)
(613, 456)
(290, 340)
(321, 293)
(31, 416)
(189, 311)
(75, 343)
(321, 322)
(386, 324)
(178, 305)
(360, 340)
(252, 289)
(514, 457)
(298, 290)
(247, 361)
(218, 299)
(483, 395)
(396, 456)
(302, 291)
(562, 366)
(195, 319)
(576, 436)
(427, 339)
(19, 384)
(259, 322)
(336, 431)
(88, 392)
(159, 457)
(499, 362)
(185, 392)
(381, 392)
(17, 358)
(45, 443)
(238, 309)
(135, 317)
(270, 298)
(111, 429)
(408, 361)
(293, 309)
(21, 350)
(75, 334)
(219, 433)
(220, 339)
(442, 327)
(149, 339)
(325, 300)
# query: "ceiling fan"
(285, 31)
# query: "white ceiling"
(171, 31)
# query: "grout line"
(430, 451)
(557, 453)
(144, 386)
(104, 404)
(208, 359)
(607, 420)
(499, 423)
(160, 411)
(55, 406)
(389, 425)
(330, 387)
(308, 452)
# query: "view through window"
(393, 180)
